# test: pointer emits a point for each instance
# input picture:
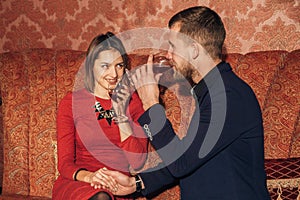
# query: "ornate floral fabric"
(281, 110)
(34, 81)
(14, 91)
(1, 141)
(71, 24)
(293, 81)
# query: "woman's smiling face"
(108, 70)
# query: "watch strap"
(138, 183)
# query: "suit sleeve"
(156, 180)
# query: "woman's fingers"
(100, 180)
(105, 180)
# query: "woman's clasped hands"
(114, 181)
(99, 180)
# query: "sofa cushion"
(281, 110)
(34, 81)
(292, 62)
(13, 74)
(40, 64)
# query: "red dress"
(85, 142)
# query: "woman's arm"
(133, 140)
(66, 138)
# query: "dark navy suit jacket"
(222, 155)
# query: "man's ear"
(195, 51)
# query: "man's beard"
(184, 75)
(184, 80)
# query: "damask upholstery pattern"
(41, 67)
(261, 76)
(295, 141)
(34, 81)
(68, 66)
(1, 142)
(292, 69)
(252, 25)
(15, 122)
(283, 100)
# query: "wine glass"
(127, 86)
(160, 65)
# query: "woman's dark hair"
(101, 43)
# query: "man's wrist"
(138, 183)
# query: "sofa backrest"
(275, 78)
(34, 81)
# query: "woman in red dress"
(88, 136)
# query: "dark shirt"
(222, 155)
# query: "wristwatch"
(138, 183)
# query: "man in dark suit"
(222, 155)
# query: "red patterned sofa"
(33, 82)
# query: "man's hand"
(126, 184)
(99, 180)
(146, 84)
